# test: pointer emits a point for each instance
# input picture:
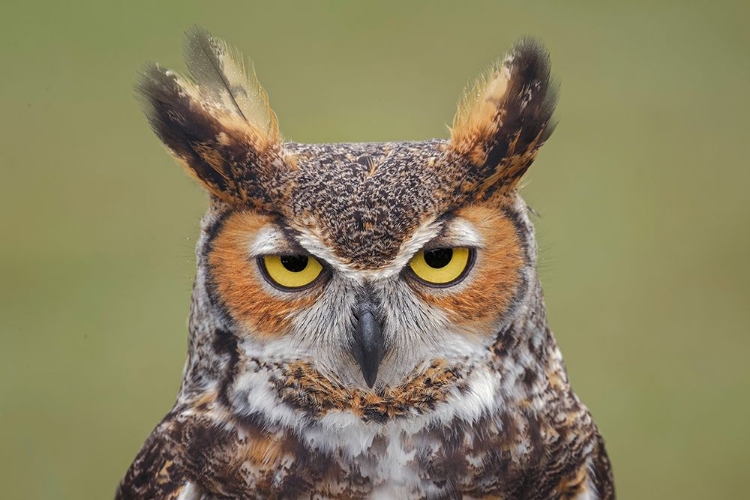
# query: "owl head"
(344, 271)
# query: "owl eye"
(441, 266)
(290, 272)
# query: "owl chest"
(363, 462)
(354, 463)
(350, 463)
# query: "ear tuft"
(506, 116)
(228, 81)
(218, 123)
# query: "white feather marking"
(460, 232)
(269, 240)
(589, 494)
(190, 492)
(254, 392)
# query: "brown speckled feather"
(155, 472)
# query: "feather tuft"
(227, 80)
(505, 118)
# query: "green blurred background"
(643, 191)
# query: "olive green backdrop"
(643, 192)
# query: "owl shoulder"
(602, 471)
(155, 472)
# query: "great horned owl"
(367, 320)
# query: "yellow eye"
(291, 271)
(441, 266)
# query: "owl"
(367, 321)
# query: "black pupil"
(439, 257)
(294, 263)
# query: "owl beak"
(369, 343)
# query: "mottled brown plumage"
(374, 377)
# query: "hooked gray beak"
(369, 344)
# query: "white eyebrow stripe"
(268, 241)
(462, 233)
(423, 235)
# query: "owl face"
(358, 270)
(437, 287)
